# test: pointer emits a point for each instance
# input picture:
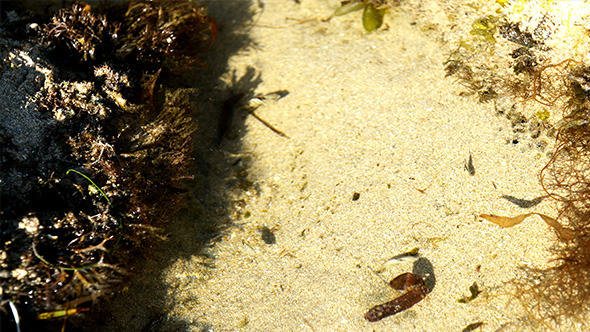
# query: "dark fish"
(267, 235)
(469, 166)
(472, 327)
(226, 116)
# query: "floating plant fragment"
(60, 313)
(372, 14)
(563, 232)
(372, 17)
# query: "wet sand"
(371, 114)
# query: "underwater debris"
(511, 32)
(549, 94)
(525, 61)
(373, 11)
(561, 291)
(472, 327)
(236, 102)
(469, 166)
(415, 290)
(372, 17)
(474, 293)
(60, 313)
(486, 28)
(558, 292)
(60, 231)
(564, 233)
(536, 72)
(168, 33)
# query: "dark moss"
(525, 61)
(511, 32)
(82, 109)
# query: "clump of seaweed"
(91, 157)
(168, 34)
(526, 75)
(561, 291)
(521, 55)
(78, 35)
(175, 31)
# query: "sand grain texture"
(371, 114)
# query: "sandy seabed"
(371, 114)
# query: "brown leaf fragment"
(415, 290)
(406, 281)
(404, 302)
(564, 233)
(504, 221)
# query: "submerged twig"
(268, 125)
(237, 102)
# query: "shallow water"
(371, 114)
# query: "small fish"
(469, 166)
(226, 116)
(267, 235)
(252, 104)
(260, 100)
(236, 102)
(472, 327)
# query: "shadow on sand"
(146, 304)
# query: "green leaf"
(372, 17)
